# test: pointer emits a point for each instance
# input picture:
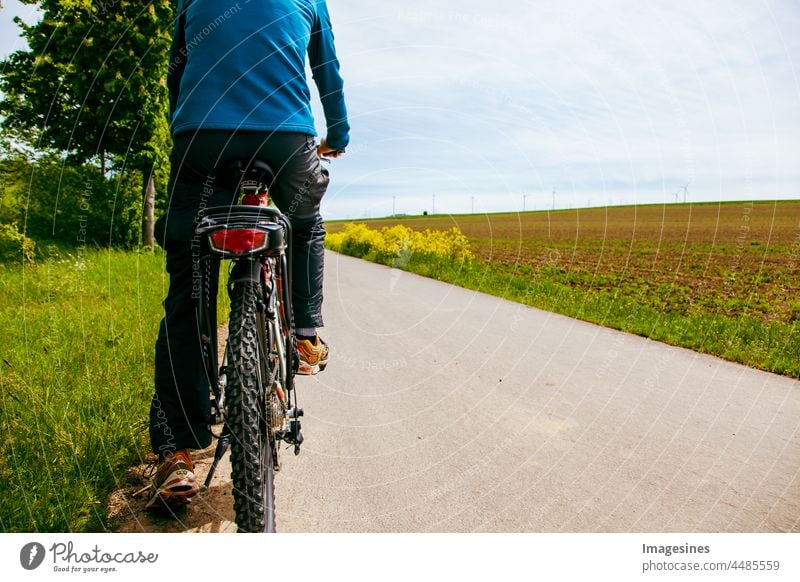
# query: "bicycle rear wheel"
(246, 414)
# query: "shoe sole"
(174, 493)
(171, 499)
(305, 369)
(161, 503)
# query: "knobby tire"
(251, 455)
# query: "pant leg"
(300, 184)
(180, 410)
(308, 256)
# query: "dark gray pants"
(179, 413)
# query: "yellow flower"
(397, 244)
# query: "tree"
(83, 208)
(92, 86)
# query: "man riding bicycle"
(238, 91)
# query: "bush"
(15, 246)
(356, 240)
(396, 245)
(72, 204)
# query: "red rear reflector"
(239, 240)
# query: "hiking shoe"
(313, 356)
(174, 480)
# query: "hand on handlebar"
(325, 151)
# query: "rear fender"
(247, 269)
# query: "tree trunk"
(148, 215)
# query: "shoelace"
(151, 469)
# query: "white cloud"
(603, 95)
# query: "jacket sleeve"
(177, 56)
(325, 70)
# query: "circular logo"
(31, 555)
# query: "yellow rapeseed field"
(396, 245)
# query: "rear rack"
(265, 219)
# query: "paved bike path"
(444, 409)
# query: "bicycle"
(253, 394)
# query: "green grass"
(76, 379)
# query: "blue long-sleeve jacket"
(240, 64)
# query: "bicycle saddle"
(250, 174)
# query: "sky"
(468, 106)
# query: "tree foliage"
(91, 86)
(69, 202)
(93, 79)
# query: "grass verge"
(76, 379)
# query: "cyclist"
(238, 90)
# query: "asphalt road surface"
(448, 410)
(444, 410)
